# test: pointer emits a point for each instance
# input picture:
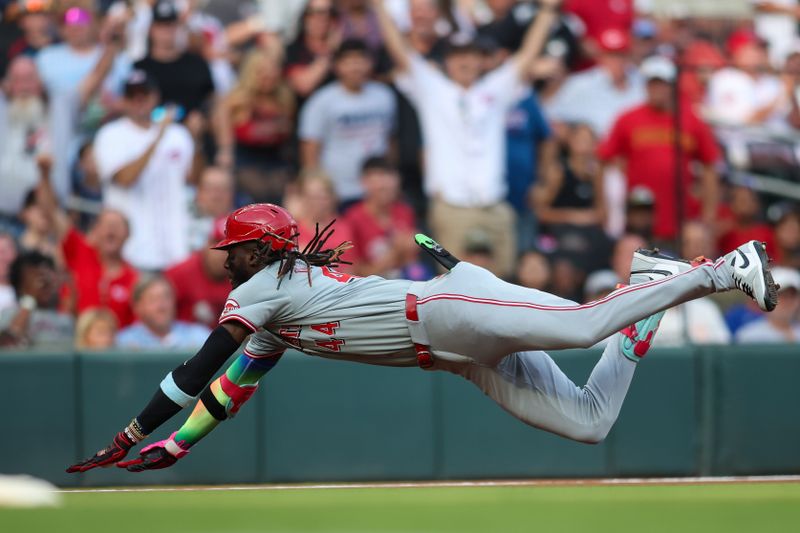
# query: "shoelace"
(744, 287)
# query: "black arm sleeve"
(191, 377)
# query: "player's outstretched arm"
(219, 401)
(177, 390)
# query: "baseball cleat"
(442, 256)
(637, 338)
(750, 272)
(650, 265)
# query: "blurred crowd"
(544, 140)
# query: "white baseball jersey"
(338, 316)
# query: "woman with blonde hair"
(96, 329)
(257, 120)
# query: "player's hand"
(109, 455)
(161, 454)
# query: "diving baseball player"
(466, 321)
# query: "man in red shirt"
(642, 141)
(200, 282)
(100, 275)
(601, 15)
(383, 225)
(743, 221)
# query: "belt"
(424, 356)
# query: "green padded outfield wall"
(701, 411)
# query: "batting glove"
(109, 455)
(161, 454)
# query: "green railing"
(694, 411)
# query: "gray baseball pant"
(487, 331)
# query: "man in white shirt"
(776, 22)
(144, 166)
(599, 95)
(743, 95)
(347, 121)
(462, 114)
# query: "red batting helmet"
(267, 223)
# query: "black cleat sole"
(771, 298)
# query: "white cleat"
(750, 272)
(650, 265)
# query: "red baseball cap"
(614, 40)
(741, 38)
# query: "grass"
(763, 507)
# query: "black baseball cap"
(165, 11)
(139, 81)
(464, 44)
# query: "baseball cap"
(787, 278)
(641, 196)
(461, 43)
(614, 40)
(76, 16)
(658, 68)
(165, 11)
(139, 81)
(741, 38)
(601, 281)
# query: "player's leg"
(487, 318)
(530, 386)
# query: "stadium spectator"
(183, 78)
(527, 149)
(315, 202)
(144, 167)
(601, 16)
(359, 22)
(700, 60)
(776, 22)
(35, 320)
(698, 321)
(462, 115)
(37, 233)
(599, 95)
(258, 121)
(23, 129)
(200, 281)
(383, 225)
(640, 212)
(533, 270)
(8, 252)
(156, 326)
(642, 138)
(96, 329)
(745, 222)
(568, 200)
(346, 122)
(83, 77)
(99, 274)
(787, 236)
(781, 325)
(35, 20)
(309, 58)
(745, 94)
(214, 198)
(510, 19)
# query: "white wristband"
(27, 302)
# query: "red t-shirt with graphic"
(643, 137)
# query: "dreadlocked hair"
(314, 253)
